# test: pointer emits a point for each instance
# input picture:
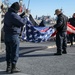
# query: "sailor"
(12, 27)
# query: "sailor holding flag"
(12, 28)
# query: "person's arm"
(18, 21)
(59, 22)
(22, 15)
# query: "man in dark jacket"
(12, 27)
(61, 35)
(72, 22)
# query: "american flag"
(70, 28)
(36, 34)
(41, 34)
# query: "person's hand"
(23, 14)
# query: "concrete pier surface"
(39, 59)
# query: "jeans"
(12, 48)
(61, 41)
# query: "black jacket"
(72, 21)
(61, 24)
